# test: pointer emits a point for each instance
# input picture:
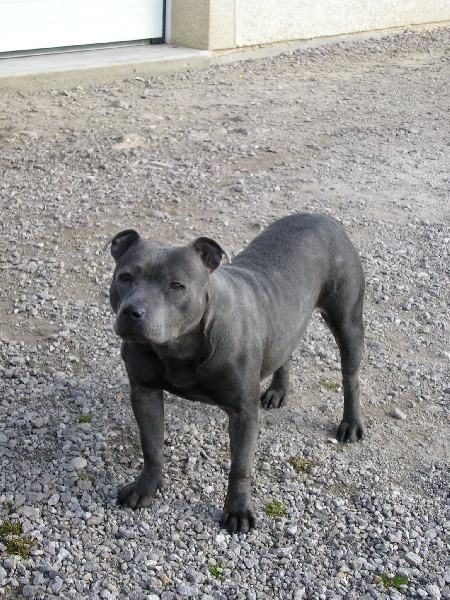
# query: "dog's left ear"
(210, 252)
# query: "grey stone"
(188, 591)
(414, 559)
(30, 512)
(433, 591)
(78, 463)
(396, 413)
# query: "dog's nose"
(134, 312)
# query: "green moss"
(87, 418)
(20, 546)
(10, 528)
(10, 532)
(329, 385)
(300, 463)
(216, 570)
(393, 582)
(275, 508)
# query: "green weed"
(275, 508)
(14, 544)
(300, 463)
(20, 546)
(10, 528)
(329, 385)
(394, 581)
(216, 570)
(86, 418)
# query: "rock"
(17, 361)
(242, 130)
(78, 463)
(413, 559)
(53, 500)
(298, 419)
(129, 142)
(396, 413)
(32, 135)
(433, 591)
(120, 104)
(94, 520)
(152, 117)
(30, 512)
(56, 585)
(34, 591)
(158, 163)
(188, 591)
(85, 484)
(128, 534)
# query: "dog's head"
(159, 290)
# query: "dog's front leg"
(238, 515)
(148, 408)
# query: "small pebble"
(396, 413)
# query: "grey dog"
(211, 332)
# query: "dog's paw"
(238, 521)
(273, 398)
(350, 431)
(135, 495)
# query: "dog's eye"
(176, 286)
(125, 277)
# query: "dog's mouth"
(139, 333)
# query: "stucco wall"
(203, 24)
(268, 21)
(228, 24)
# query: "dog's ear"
(210, 252)
(121, 242)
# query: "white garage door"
(33, 24)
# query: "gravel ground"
(356, 130)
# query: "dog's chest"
(182, 376)
(181, 379)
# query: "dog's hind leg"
(346, 323)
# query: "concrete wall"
(229, 24)
(203, 24)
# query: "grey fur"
(210, 332)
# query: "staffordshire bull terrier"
(211, 332)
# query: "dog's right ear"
(121, 242)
